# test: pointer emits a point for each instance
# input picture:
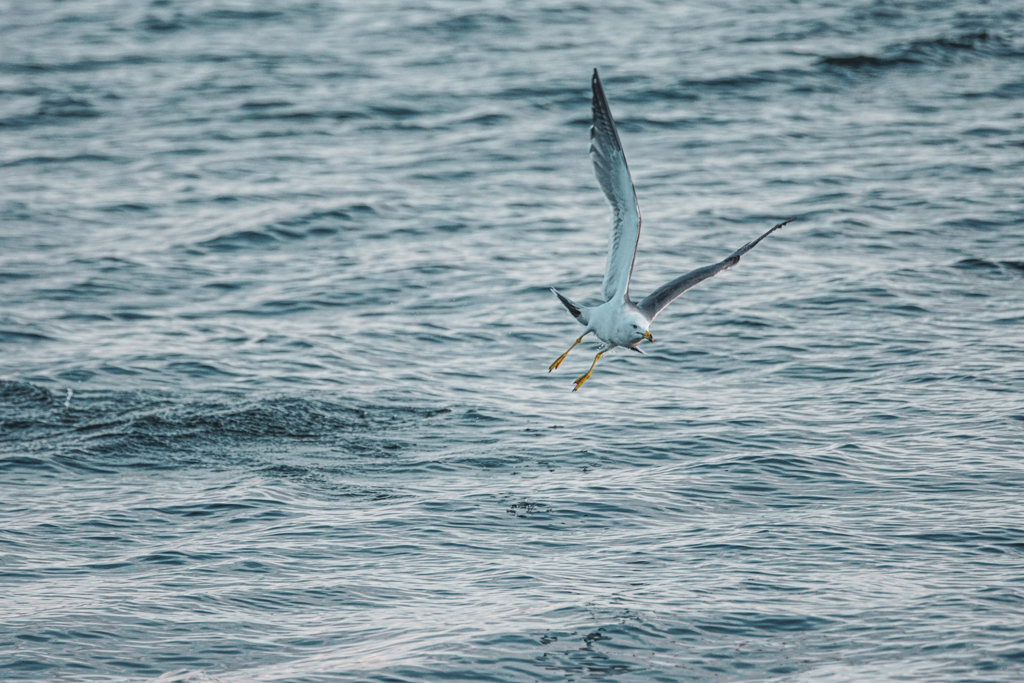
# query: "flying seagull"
(619, 321)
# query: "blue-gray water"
(275, 330)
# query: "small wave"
(89, 289)
(157, 24)
(289, 418)
(395, 112)
(131, 420)
(464, 26)
(568, 97)
(24, 665)
(79, 66)
(18, 337)
(105, 431)
(235, 15)
(27, 411)
(127, 208)
(67, 107)
(196, 369)
(266, 104)
(11, 276)
(323, 222)
(313, 223)
(488, 120)
(853, 61)
(940, 50)
(235, 241)
(743, 81)
(50, 159)
(983, 266)
(23, 393)
(25, 462)
(976, 264)
(185, 676)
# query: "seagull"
(619, 321)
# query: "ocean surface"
(275, 328)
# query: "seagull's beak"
(648, 337)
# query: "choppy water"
(275, 329)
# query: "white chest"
(613, 323)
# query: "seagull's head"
(638, 330)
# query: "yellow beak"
(648, 337)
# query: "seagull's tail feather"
(579, 312)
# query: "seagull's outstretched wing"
(613, 176)
(654, 302)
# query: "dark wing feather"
(657, 300)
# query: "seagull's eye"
(634, 327)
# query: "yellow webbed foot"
(584, 378)
(554, 366)
(558, 362)
(580, 380)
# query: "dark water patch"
(740, 84)
(291, 418)
(1007, 91)
(990, 269)
(75, 460)
(324, 222)
(853, 61)
(311, 224)
(104, 431)
(1017, 266)
(169, 558)
(131, 315)
(157, 24)
(1012, 538)
(977, 264)
(395, 112)
(21, 337)
(266, 104)
(66, 108)
(241, 240)
(910, 310)
(17, 395)
(106, 264)
(283, 307)
(236, 16)
(12, 276)
(80, 66)
(127, 208)
(119, 370)
(25, 665)
(488, 120)
(75, 158)
(23, 462)
(227, 286)
(280, 114)
(87, 290)
(654, 94)
(465, 27)
(205, 510)
(198, 369)
(986, 132)
(941, 50)
(544, 97)
(77, 374)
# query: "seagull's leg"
(558, 362)
(584, 378)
